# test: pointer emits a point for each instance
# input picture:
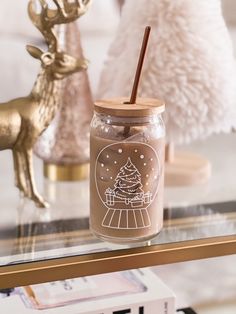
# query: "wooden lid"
(142, 108)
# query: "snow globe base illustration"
(127, 177)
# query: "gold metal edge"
(111, 261)
(55, 172)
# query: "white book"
(141, 292)
(157, 298)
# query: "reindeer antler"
(66, 12)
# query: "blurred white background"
(98, 27)
(17, 74)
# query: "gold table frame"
(110, 261)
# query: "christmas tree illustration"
(127, 203)
(128, 182)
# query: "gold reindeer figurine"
(23, 120)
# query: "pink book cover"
(60, 293)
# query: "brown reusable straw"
(134, 93)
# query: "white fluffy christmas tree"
(189, 64)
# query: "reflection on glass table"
(29, 234)
(43, 238)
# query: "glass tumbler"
(127, 147)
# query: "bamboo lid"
(120, 107)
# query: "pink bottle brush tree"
(189, 64)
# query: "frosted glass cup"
(127, 147)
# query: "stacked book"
(136, 292)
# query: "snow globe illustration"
(128, 193)
(127, 185)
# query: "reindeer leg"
(20, 183)
(34, 195)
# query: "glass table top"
(28, 234)
(71, 237)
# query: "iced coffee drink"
(127, 170)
